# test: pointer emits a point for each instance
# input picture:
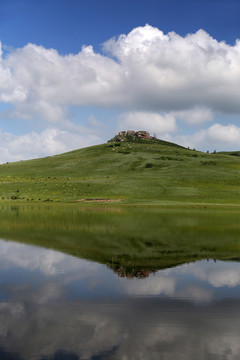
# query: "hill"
(131, 240)
(144, 171)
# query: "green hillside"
(147, 171)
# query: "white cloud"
(170, 72)
(228, 134)
(195, 115)
(48, 142)
(152, 122)
(40, 78)
(153, 71)
(154, 79)
(217, 136)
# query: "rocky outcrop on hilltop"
(131, 135)
(142, 137)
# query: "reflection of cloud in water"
(154, 285)
(160, 317)
(217, 274)
(49, 262)
(137, 329)
(195, 293)
(227, 346)
(226, 277)
(48, 292)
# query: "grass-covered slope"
(152, 172)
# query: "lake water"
(55, 306)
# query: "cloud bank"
(145, 69)
(217, 136)
(49, 142)
(155, 79)
(154, 122)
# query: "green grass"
(144, 172)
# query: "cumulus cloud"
(39, 78)
(154, 79)
(152, 122)
(217, 136)
(194, 116)
(228, 134)
(50, 141)
(168, 72)
(145, 69)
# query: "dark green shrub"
(148, 165)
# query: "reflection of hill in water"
(133, 241)
(152, 318)
(131, 273)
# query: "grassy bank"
(144, 172)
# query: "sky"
(73, 73)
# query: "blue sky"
(171, 67)
(66, 25)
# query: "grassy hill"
(198, 194)
(147, 171)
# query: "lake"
(117, 290)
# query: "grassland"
(135, 173)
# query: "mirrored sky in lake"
(54, 306)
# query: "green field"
(133, 173)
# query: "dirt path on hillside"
(99, 200)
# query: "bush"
(148, 165)
(14, 197)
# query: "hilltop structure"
(131, 135)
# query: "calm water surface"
(54, 307)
